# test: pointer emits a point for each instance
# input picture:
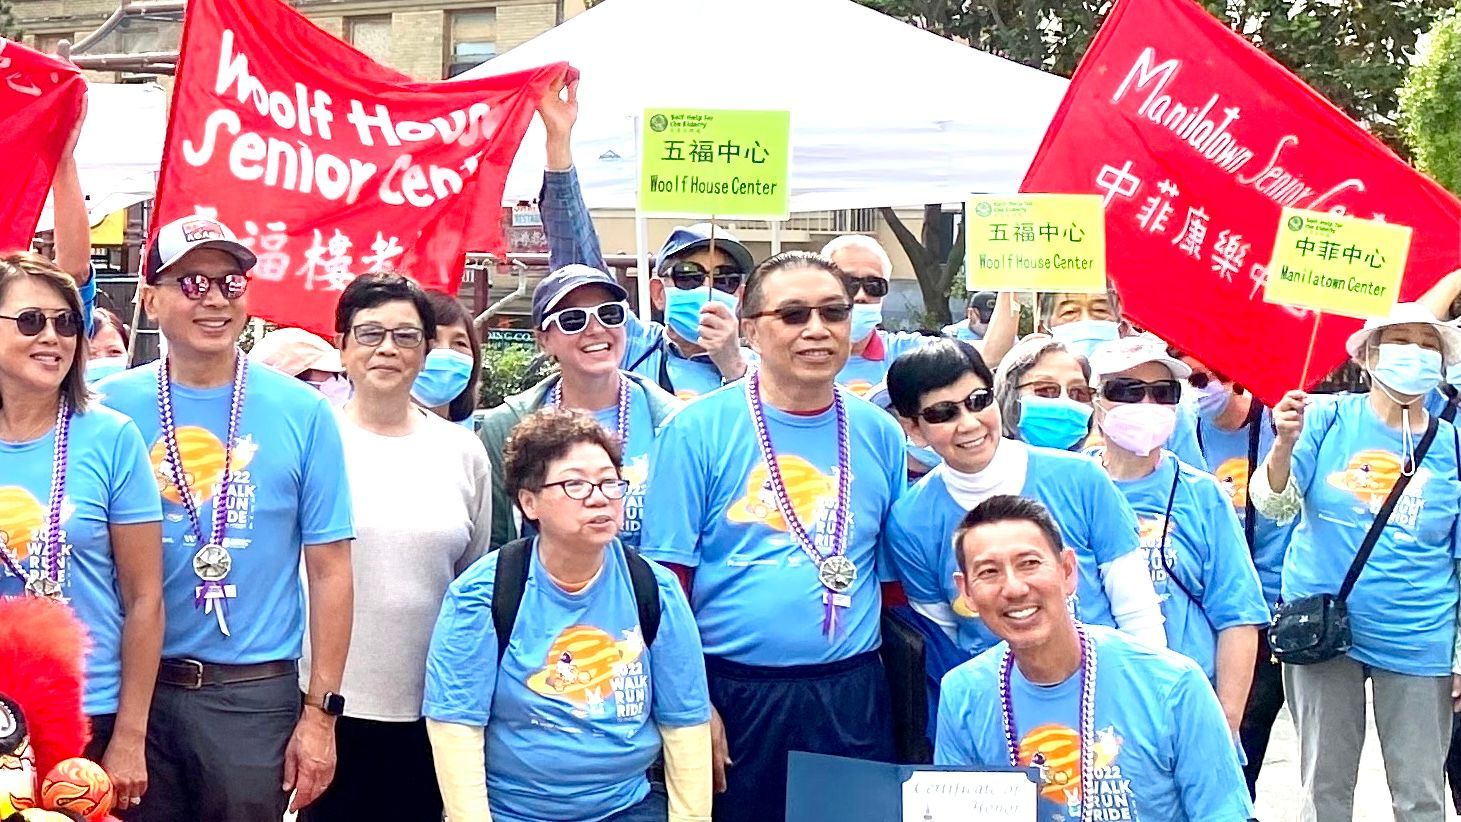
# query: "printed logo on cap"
(195, 230)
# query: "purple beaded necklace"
(835, 571)
(621, 420)
(1087, 715)
(46, 581)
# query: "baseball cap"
(983, 303)
(553, 288)
(1129, 352)
(1408, 314)
(295, 351)
(687, 238)
(177, 238)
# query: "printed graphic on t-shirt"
(813, 496)
(601, 677)
(1232, 475)
(685, 395)
(1055, 750)
(1151, 529)
(23, 528)
(203, 455)
(1371, 474)
(636, 471)
(858, 387)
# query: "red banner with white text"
(40, 99)
(1196, 140)
(330, 165)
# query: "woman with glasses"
(423, 513)
(1044, 394)
(79, 509)
(1199, 562)
(943, 398)
(579, 317)
(567, 660)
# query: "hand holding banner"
(40, 101)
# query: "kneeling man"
(1117, 729)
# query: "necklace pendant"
(212, 563)
(42, 586)
(837, 573)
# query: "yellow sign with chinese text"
(715, 162)
(1338, 265)
(1036, 242)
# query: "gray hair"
(864, 243)
(1011, 372)
(1045, 305)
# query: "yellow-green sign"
(713, 162)
(1036, 242)
(1339, 265)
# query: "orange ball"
(80, 786)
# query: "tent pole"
(775, 237)
(641, 263)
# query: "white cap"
(295, 351)
(178, 237)
(1408, 314)
(1128, 352)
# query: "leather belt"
(193, 674)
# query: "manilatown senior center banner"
(40, 100)
(330, 165)
(1196, 140)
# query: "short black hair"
(448, 310)
(1007, 508)
(938, 364)
(379, 288)
(755, 297)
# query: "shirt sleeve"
(1183, 441)
(1231, 592)
(676, 660)
(566, 222)
(88, 302)
(1112, 525)
(1318, 420)
(134, 494)
(461, 663)
(479, 503)
(1209, 780)
(678, 483)
(897, 472)
(915, 566)
(953, 740)
(324, 490)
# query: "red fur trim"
(42, 649)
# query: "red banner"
(40, 101)
(330, 165)
(1196, 139)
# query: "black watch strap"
(331, 703)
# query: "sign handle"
(1308, 357)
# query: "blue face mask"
(927, 457)
(1453, 374)
(1407, 368)
(443, 377)
(103, 367)
(682, 309)
(865, 319)
(1054, 423)
(1082, 336)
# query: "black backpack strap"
(646, 594)
(508, 583)
(1453, 402)
(1255, 430)
(1373, 535)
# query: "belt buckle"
(196, 668)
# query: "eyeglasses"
(196, 286)
(575, 320)
(406, 336)
(802, 314)
(1200, 379)
(1050, 391)
(578, 489)
(1127, 389)
(688, 276)
(942, 412)
(32, 321)
(871, 286)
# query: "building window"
(472, 39)
(48, 43)
(371, 35)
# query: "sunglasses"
(578, 489)
(871, 286)
(1050, 391)
(575, 320)
(32, 321)
(942, 412)
(1127, 389)
(689, 276)
(406, 336)
(802, 314)
(196, 286)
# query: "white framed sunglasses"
(575, 320)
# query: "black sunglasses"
(1050, 391)
(575, 320)
(687, 275)
(942, 412)
(871, 286)
(32, 321)
(407, 336)
(802, 314)
(196, 286)
(1128, 389)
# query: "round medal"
(837, 573)
(43, 586)
(212, 563)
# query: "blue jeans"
(653, 808)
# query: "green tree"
(9, 29)
(1430, 105)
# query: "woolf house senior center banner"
(1196, 141)
(330, 165)
(40, 99)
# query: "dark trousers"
(653, 808)
(1453, 762)
(377, 759)
(840, 708)
(217, 753)
(1265, 699)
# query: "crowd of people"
(688, 551)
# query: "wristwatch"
(331, 703)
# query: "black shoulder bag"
(1315, 628)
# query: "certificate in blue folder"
(821, 787)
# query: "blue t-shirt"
(635, 454)
(756, 593)
(961, 331)
(572, 716)
(108, 482)
(860, 375)
(289, 489)
(1183, 441)
(1402, 611)
(88, 302)
(649, 353)
(1204, 549)
(1094, 521)
(1162, 748)
(1227, 454)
